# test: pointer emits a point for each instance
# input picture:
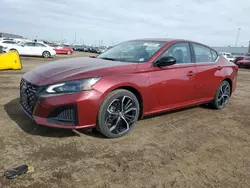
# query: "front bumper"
(73, 111)
(53, 53)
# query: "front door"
(175, 85)
(27, 49)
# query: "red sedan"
(243, 61)
(63, 49)
(125, 83)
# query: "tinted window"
(248, 59)
(214, 55)
(39, 45)
(202, 53)
(29, 44)
(180, 51)
(9, 42)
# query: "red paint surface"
(161, 89)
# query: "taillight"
(237, 69)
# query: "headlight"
(73, 86)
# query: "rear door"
(39, 49)
(209, 71)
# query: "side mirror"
(165, 61)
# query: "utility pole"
(75, 37)
(249, 47)
(237, 37)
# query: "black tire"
(223, 90)
(46, 54)
(125, 97)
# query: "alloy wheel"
(46, 54)
(224, 94)
(121, 114)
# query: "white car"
(33, 49)
(7, 43)
(228, 56)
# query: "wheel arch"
(230, 83)
(133, 89)
(14, 49)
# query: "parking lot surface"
(195, 147)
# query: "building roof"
(236, 50)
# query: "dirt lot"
(196, 147)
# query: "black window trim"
(211, 49)
(190, 51)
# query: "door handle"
(191, 73)
(219, 67)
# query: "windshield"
(229, 55)
(132, 51)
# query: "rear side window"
(202, 53)
(248, 59)
(214, 55)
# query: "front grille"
(66, 115)
(28, 95)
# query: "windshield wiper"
(107, 58)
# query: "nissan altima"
(134, 79)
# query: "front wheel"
(69, 52)
(222, 95)
(118, 113)
(46, 54)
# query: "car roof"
(163, 40)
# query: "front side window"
(132, 51)
(214, 55)
(180, 51)
(202, 53)
(9, 42)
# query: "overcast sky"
(213, 22)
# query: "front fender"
(138, 82)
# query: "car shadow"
(29, 126)
(169, 112)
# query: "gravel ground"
(195, 147)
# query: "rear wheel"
(69, 52)
(222, 95)
(46, 54)
(118, 113)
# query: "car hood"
(76, 68)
